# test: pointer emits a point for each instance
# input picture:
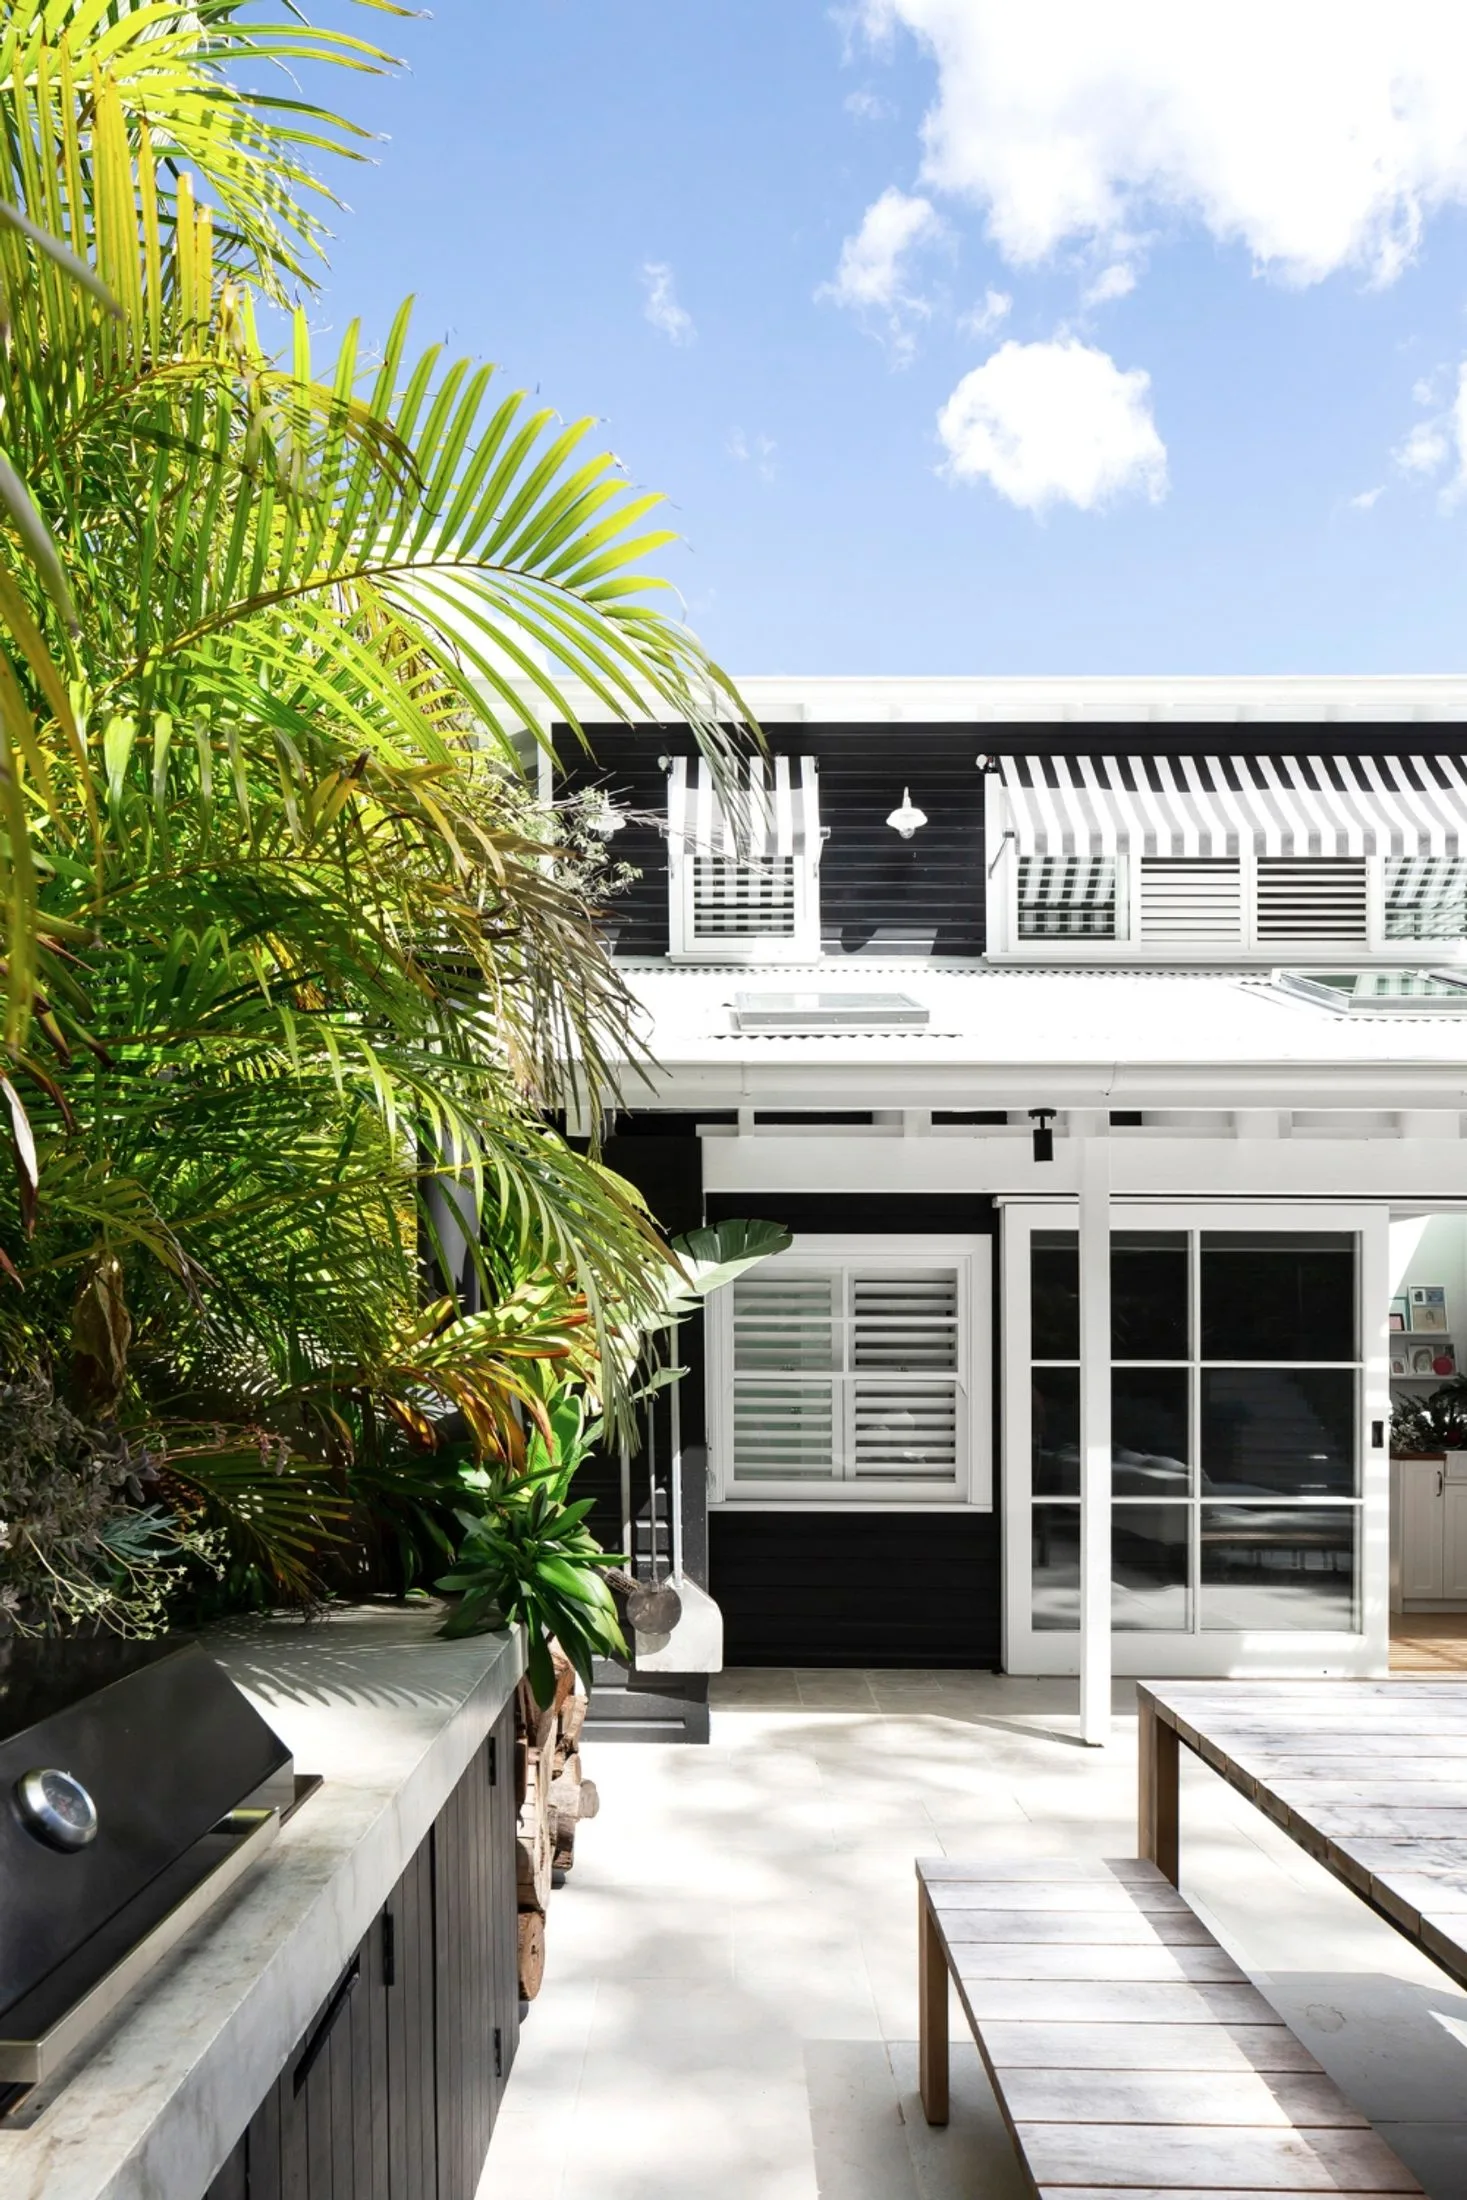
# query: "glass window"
(1055, 1295)
(1150, 1548)
(1067, 897)
(1271, 1296)
(1278, 1431)
(1055, 1427)
(1278, 1567)
(1149, 1294)
(1149, 1435)
(1056, 1576)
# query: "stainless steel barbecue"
(137, 1785)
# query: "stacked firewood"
(553, 1797)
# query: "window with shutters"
(1426, 898)
(744, 862)
(847, 1376)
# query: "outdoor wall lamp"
(603, 817)
(908, 818)
(1043, 1120)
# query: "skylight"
(828, 1012)
(1379, 992)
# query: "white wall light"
(908, 818)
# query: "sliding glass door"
(1248, 1502)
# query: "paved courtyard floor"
(729, 2008)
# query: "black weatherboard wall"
(863, 1589)
(881, 895)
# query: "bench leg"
(1158, 1831)
(932, 2055)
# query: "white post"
(1095, 1448)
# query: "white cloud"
(868, 106)
(1318, 135)
(755, 450)
(661, 307)
(1439, 444)
(1425, 450)
(870, 271)
(1367, 499)
(1054, 423)
(982, 320)
(1116, 281)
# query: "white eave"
(1022, 1038)
(1301, 699)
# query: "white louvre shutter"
(733, 900)
(845, 1374)
(1311, 898)
(1191, 901)
(1426, 898)
(904, 1420)
(786, 1324)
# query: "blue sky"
(967, 337)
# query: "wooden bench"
(1131, 2058)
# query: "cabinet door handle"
(327, 2025)
(1441, 1481)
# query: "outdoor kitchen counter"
(390, 1717)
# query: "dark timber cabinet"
(392, 2090)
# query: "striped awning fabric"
(1224, 805)
(777, 811)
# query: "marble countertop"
(390, 1717)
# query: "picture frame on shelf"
(1428, 1309)
(1400, 1315)
(1400, 1357)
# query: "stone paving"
(729, 2008)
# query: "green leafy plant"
(1435, 1423)
(528, 1557)
(290, 947)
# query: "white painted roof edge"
(1260, 699)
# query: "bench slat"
(1197, 2099)
(1263, 2047)
(938, 1870)
(1073, 1928)
(1154, 2157)
(1212, 1966)
(1088, 2002)
(1146, 1900)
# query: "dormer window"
(1163, 859)
(744, 875)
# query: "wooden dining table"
(1369, 1777)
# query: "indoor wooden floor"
(1429, 1642)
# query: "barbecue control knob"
(56, 1808)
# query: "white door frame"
(1181, 1655)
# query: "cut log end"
(531, 1953)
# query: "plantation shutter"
(1191, 901)
(1313, 898)
(848, 1374)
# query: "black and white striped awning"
(1225, 805)
(776, 811)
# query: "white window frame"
(1005, 943)
(800, 945)
(1214, 1653)
(972, 1257)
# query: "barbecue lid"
(115, 1759)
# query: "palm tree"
(288, 935)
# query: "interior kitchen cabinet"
(1431, 1530)
(392, 2091)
